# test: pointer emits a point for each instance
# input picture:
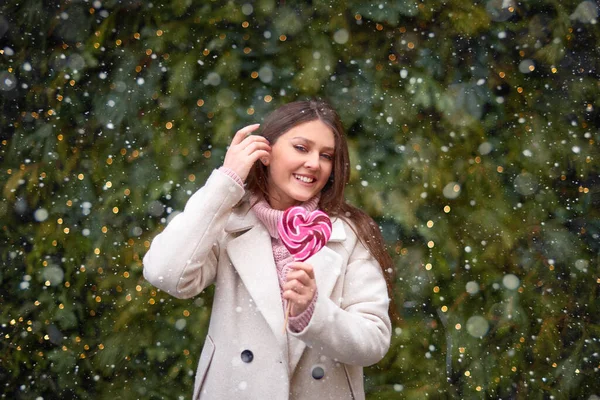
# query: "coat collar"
(257, 270)
(244, 219)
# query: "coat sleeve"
(357, 332)
(182, 260)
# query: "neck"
(270, 216)
(280, 206)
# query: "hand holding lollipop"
(303, 233)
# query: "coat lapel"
(252, 256)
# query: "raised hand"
(245, 149)
(300, 287)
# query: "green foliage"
(473, 134)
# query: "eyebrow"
(313, 143)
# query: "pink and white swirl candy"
(304, 233)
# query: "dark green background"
(473, 132)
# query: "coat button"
(247, 356)
(318, 373)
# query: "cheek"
(328, 169)
(282, 171)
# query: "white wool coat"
(218, 240)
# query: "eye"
(326, 156)
(301, 148)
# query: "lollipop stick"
(287, 315)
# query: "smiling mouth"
(304, 179)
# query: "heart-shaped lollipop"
(304, 233)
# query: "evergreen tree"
(473, 130)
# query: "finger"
(252, 147)
(257, 155)
(254, 139)
(293, 285)
(243, 133)
(296, 298)
(304, 267)
(290, 295)
(307, 292)
(301, 276)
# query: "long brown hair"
(332, 199)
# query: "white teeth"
(304, 179)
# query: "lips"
(304, 178)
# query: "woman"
(227, 236)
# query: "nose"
(312, 161)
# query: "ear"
(265, 161)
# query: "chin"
(302, 197)
(302, 194)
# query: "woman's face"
(300, 164)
